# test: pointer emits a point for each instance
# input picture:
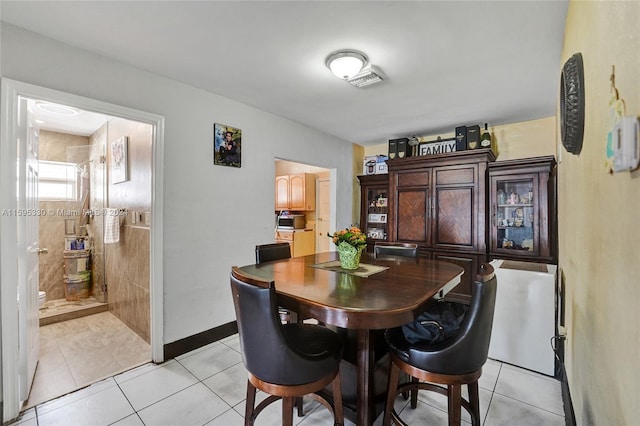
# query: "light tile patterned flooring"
(81, 351)
(207, 387)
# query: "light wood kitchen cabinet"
(296, 192)
(302, 242)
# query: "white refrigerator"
(524, 318)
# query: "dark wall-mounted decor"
(227, 145)
(572, 104)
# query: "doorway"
(94, 264)
(82, 272)
(321, 219)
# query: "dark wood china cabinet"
(522, 224)
(465, 208)
(439, 202)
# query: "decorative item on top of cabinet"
(439, 202)
(296, 192)
(374, 208)
(522, 224)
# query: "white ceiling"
(447, 62)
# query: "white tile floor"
(207, 387)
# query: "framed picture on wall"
(227, 145)
(119, 165)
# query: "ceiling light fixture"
(344, 64)
(56, 108)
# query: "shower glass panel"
(87, 207)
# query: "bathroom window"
(57, 181)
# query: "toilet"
(42, 297)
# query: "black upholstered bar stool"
(286, 361)
(453, 363)
(269, 253)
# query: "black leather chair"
(454, 362)
(286, 361)
(383, 250)
(269, 253)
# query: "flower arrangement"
(352, 236)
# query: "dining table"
(380, 294)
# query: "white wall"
(213, 215)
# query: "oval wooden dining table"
(313, 288)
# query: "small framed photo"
(376, 233)
(119, 166)
(381, 202)
(227, 145)
(377, 218)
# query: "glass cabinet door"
(375, 222)
(515, 215)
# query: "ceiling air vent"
(366, 77)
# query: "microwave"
(291, 221)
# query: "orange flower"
(352, 236)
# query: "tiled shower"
(120, 276)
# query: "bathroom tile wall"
(53, 147)
(127, 261)
(128, 279)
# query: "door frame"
(332, 210)
(10, 91)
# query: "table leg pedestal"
(365, 398)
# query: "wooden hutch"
(447, 204)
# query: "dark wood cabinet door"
(454, 218)
(412, 209)
(458, 191)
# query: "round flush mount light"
(56, 108)
(345, 64)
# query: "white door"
(28, 250)
(324, 216)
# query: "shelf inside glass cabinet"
(515, 215)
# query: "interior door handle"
(43, 250)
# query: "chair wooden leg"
(338, 413)
(455, 405)
(287, 411)
(474, 400)
(414, 394)
(300, 405)
(250, 402)
(394, 374)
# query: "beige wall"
(599, 237)
(53, 147)
(517, 140)
(358, 156)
